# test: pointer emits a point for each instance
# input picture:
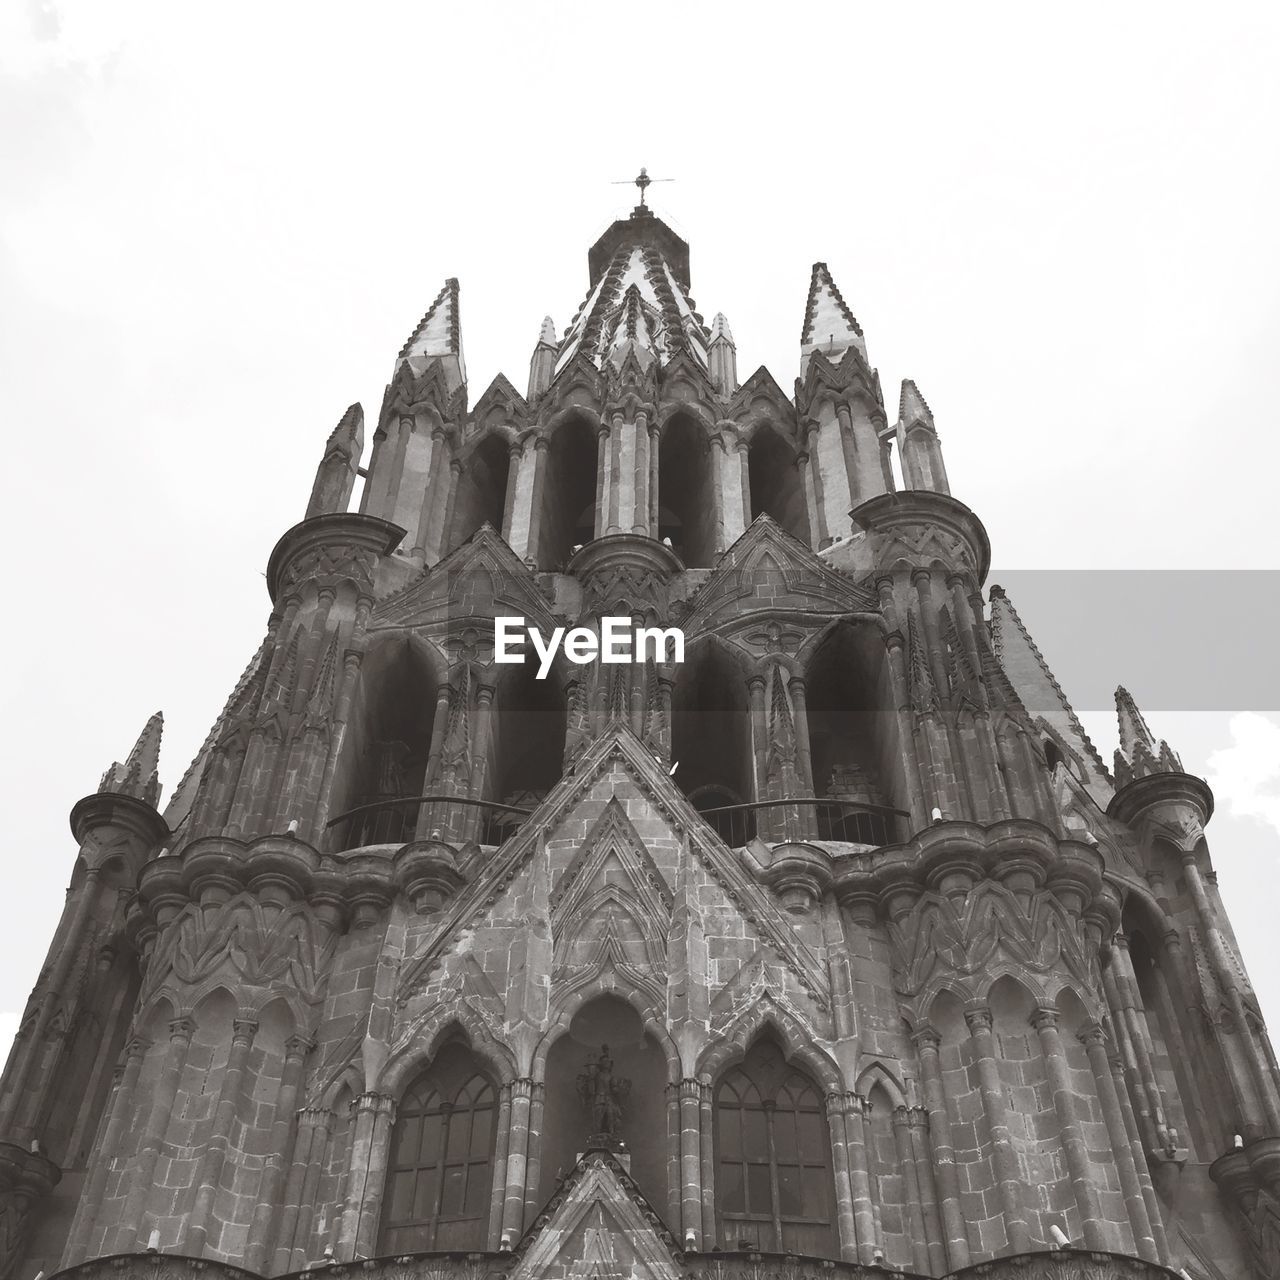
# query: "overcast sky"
(219, 223)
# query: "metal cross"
(642, 182)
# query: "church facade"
(831, 948)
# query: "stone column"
(1004, 1159)
(718, 465)
(690, 1166)
(655, 453)
(914, 1206)
(1132, 1016)
(1116, 1063)
(744, 481)
(384, 1116)
(800, 710)
(760, 736)
(855, 1128)
(498, 1194)
(142, 1176)
(309, 1141)
(674, 1197)
(613, 484)
(104, 1151)
(1225, 971)
(515, 457)
(944, 1158)
(517, 1161)
(533, 1164)
(818, 514)
(1094, 1040)
(925, 1181)
(192, 1239)
(1080, 1167)
(282, 1123)
(639, 516)
(846, 1227)
(706, 1121)
(537, 501)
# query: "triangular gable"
(474, 583)
(767, 563)
(501, 402)
(618, 745)
(597, 1224)
(760, 398)
(612, 869)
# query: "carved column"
(537, 500)
(1116, 1063)
(944, 1157)
(759, 734)
(918, 1119)
(1094, 1041)
(855, 1129)
(690, 1165)
(533, 1165)
(674, 1197)
(104, 1151)
(209, 1170)
(309, 1141)
(718, 467)
(282, 1124)
(498, 1192)
(517, 1162)
(1045, 1021)
(914, 1206)
(837, 1104)
(515, 457)
(707, 1121)
(1004, 1159)
(142, 1176)
(372, 1115)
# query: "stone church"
(831, 950)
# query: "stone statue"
(603, 1093)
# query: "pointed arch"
(775, 482)
(483, 487)
(565, 506)
(686, 480)
(764, 1016)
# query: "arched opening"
(440, 1170)
(773, 1158)
(711, 739)
(387, 746)
(634, 1075)
(482, 490)
(686, 503)
(568, 499)
(1052, 755)
(776, 487)
(853, 737)
(526, 745)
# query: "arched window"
(440, 1176)
(774, 481)
(773, 1150)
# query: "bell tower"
(822, 942)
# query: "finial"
(643, 181)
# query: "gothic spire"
(722, 357)
(336, 475)
(829, 325)
(913, 409)
(138, 776)
(1139, 753)
(918, 445)
(543, 364)
(438, 339)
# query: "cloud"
(1246, 775)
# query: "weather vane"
(642, 182)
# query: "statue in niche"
(603, 1094)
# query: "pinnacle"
(350, 425)
(438, 334)
(547, 334)
(912, 406)
(827, 317)
(137, 777)
(720, 331)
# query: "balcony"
(808, 818)
(454, 819)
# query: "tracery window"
(773, 1180)
(440, 1176)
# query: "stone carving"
(603, 1094)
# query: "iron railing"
(807, 818)
(451, 818)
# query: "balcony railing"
(451, 818)
(808, 818)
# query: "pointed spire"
(138, 776)
(336, 475)
(918, 446)
(912, 406)
(438, 338)
(542, 366)
(829, 325)
(1139, 754)
(722, 357)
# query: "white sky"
(219, 223)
